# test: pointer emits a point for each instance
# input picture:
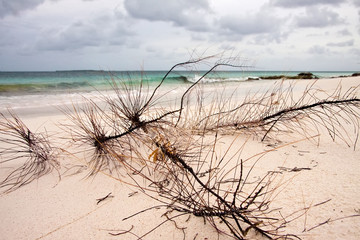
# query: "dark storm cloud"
(12, 7)
(187, 13)
(304, 3)
(319, 18)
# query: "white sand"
(67, 209)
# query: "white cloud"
(82, 34)
(261, 26)
(319, 18)
(318, 50)
(126, 32)
(248, 25)
(78, 35)
(355, 51)
(356, 2)
(14, 7)
(344, 32)
(304, 3)
(348, 43)
(358, 26)
(187, 13)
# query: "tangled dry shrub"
(184, 170)
(200, 183)
(279, 109)
(29, 154)
(173, 158)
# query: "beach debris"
(294, 169)
(72, 170)
(315, 163)
(121, 232)
(132, 193)
(99, 200)
(303, 151)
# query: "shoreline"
(43, 103)
(314, 172)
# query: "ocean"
(30, 90)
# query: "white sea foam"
(215, 79)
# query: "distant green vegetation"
(302, 75)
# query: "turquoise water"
(77, 81)
(30, 91)
(24, 83)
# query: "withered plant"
(192, 179)
(117, 127)
(171, 153)
(279, 109)
(184, 170)
(27, 155)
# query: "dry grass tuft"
(20, 146)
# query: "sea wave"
(30, 88)
(177, 79)
(215, 79)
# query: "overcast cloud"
(305, 3)
(176, 11)
(16, 6)
(128, 34)
(319, 18)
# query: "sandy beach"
(319, 177)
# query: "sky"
(283, 35)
